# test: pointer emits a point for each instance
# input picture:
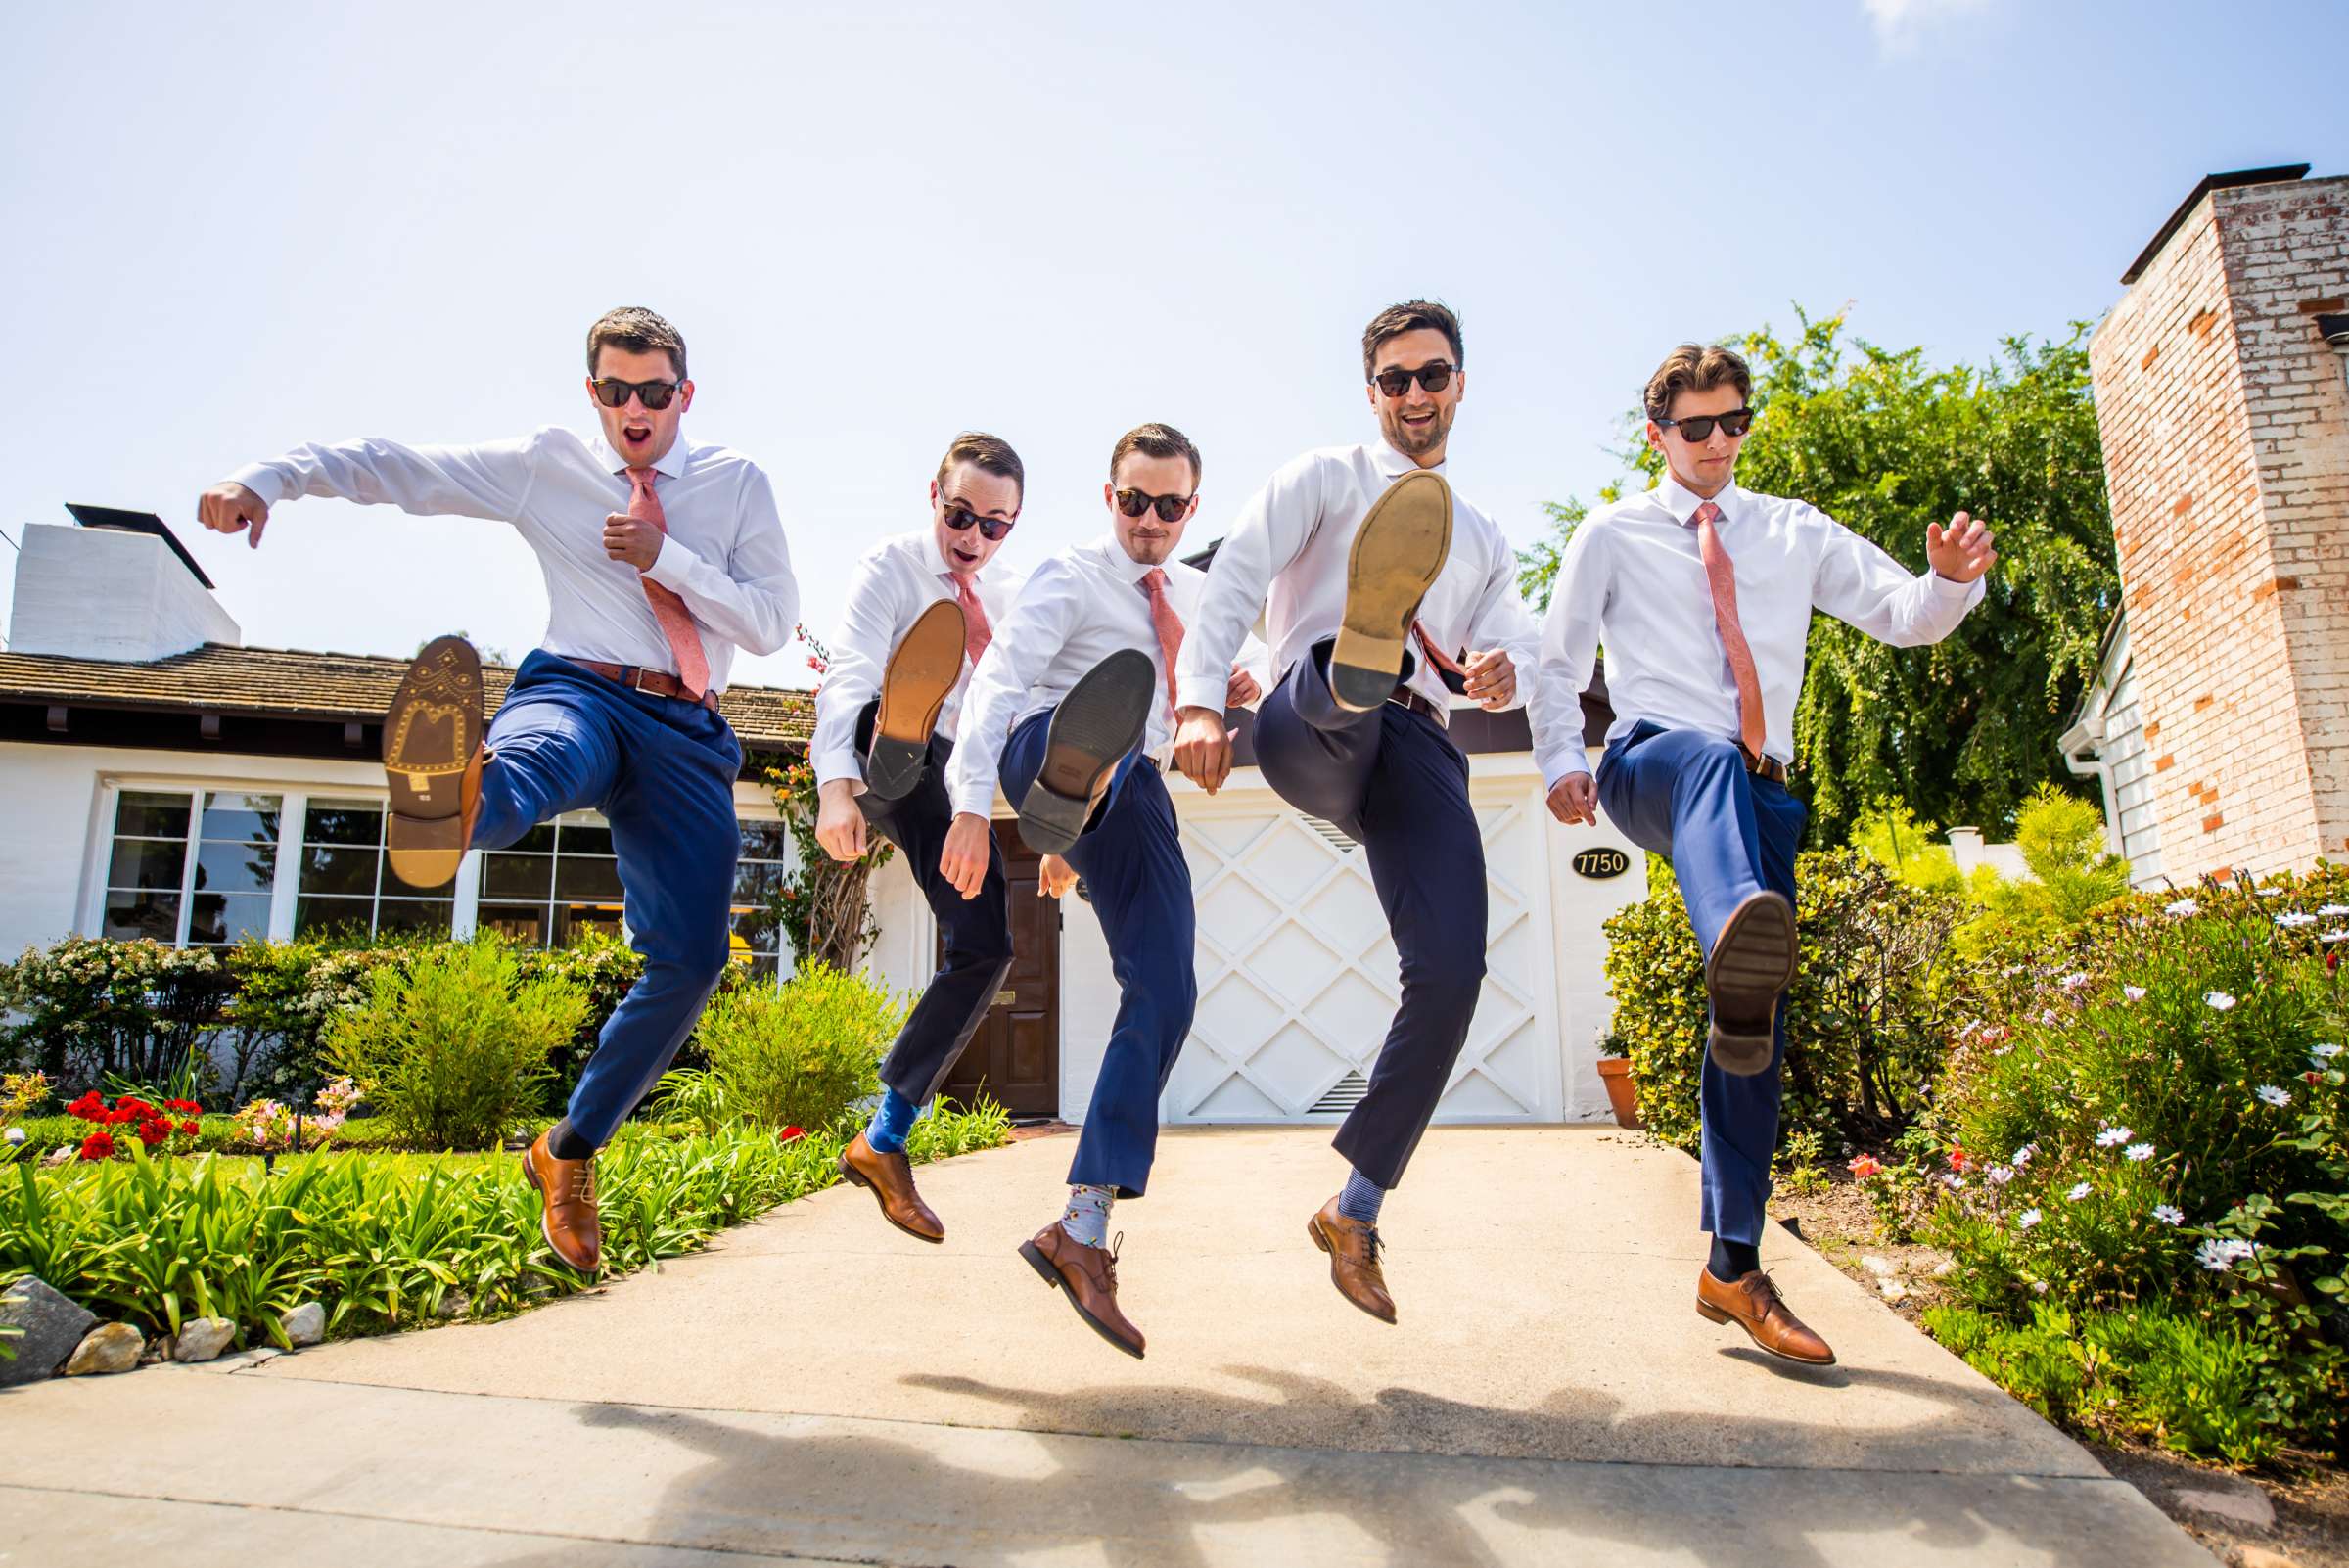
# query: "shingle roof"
(293, 683)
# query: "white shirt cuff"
(977, 799)
(836, 761)
(671, 565)
(1564, 764)
(262, 481)
(1190, 691)
(1950, 590)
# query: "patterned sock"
(1732, 1260)
(1362, 1198)
(892, 1120)
(565, 1143)
(1087, 1219)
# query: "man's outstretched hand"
(229, 508)
(839, 823)
(963, 860)
(1962, 551)
(1203, 748)
(1575, 799)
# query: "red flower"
(130, 1105)
(191, 1127)
(188, 1106)
(2332, 963)
(788, 1133)
(97, 1146)
(1958, 1158)
(152, 1134)
(118, 1116)
(91, 1107)
(2312, 1077)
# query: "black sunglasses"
(613, 392)
(960, 518)
(1700, 426)
(1134, 503)
(1434, 376)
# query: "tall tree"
(1964, 730)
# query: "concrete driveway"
(819, 1389)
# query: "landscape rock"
(113, 1348)
(1894, 1291)
(2239, 1503)
(306, 1324)
(2262, 1557)
(455, 1304)
(53, 1326)
(1944, 1268)
(200, 1339)
(1876, 1266)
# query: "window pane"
(144, 814)
(517, 876)
(343, 822)
(516, 922)
(223, 918)
(757, 928)
(240, 819)
(138, 914)
(414, 914)
(574, 920)
(147, 864)
(586, 877)
(579, 838)
(755, 881)
(235, 867)
(539, 840)
(764, 841)
(338, 871)
(767, 967)
(340, 917)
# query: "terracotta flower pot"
(1616, 1073)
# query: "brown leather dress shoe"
(889, 1177)
(1754, 1305)
(920, 676)
(1101, 719)
(1398, 553)
(433, 763)
(1752, 965)
(1089, 1277)
(1353, 1249)
(568, 1220)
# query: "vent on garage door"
(1332, 832)
(1345, 1094)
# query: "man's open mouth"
(637, 434)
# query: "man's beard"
(1400, 436)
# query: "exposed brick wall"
(2226, 427)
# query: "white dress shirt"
(1075, 611)
(897, 581)
(724, 555)
(1632, 578)
(1286, 557)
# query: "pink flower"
(1866, 1166)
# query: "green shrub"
(453, 1045)
(1865, 1029)
(95, 1009)
(797, 1056)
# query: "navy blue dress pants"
(661, 771)
(1130, 857)
(1396, 785)
(1729, 834)
(976, 931)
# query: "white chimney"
(125, 591)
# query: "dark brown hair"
(1155, 441)
(638, 330)
(1411, 316)
(990, 454)
(1694, 367)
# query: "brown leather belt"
(652, 682)
(1405, 696)
(1769, 767)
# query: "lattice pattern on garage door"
(1297, 974)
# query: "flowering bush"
(2164, 1118)
(93, 1008)
(270, 1126)
(169, 1128)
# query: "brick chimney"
(2225, 414)
(118, 587)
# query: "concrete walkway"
(820, 1389)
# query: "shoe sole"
(1753, 963)
(1712, 1314)
(1095, 725)
(1312, 1228)
(856, 1178)
(530, 1174)
(431, 733)
(921, 675)
(1398, 553)
(1051, 1276)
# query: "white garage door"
(1297, 974)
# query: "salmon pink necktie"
(976, 633)
(1167, 623)
(1434, 654)
(677, 622)
(1722, 573)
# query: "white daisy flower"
(2217, 1000)
(2112, 1136)
(2321, 1054)
(2138, 1151)
(2330, 909)
(2274, 1095)
(2294, 920)
(1953, 1181)
(2269, 892)
(2039, 1287)
(2022, 1156)
(2078, 1192)
(2134, 992)
(2183, 907)
(2027, 1219)
(2075, 980)
(2169, 1214)
(2341, 935)
(1999, 1176)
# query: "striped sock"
(892, 1120)
(1087, 1219)
(1362, 1198)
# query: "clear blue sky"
(232, 229)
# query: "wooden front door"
(1015, 1056)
